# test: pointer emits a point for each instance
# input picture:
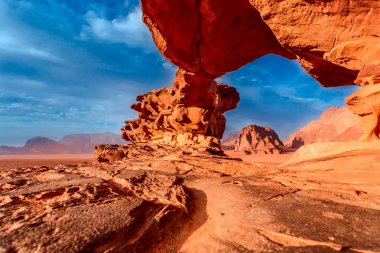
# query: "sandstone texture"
(366, 104)
(162, 198)
(195, 37)
(335, 124)
(189, 114)
(255, 139)
(333, 40)
(337, 42)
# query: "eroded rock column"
(366, 102)
(190, 113)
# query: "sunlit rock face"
(258, 139)
(366, 102)
(188, 114)
(333, 40)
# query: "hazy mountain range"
(69, 144)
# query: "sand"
(160, 200)
(264, 159)
(15, 161)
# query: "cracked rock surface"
(170, 199)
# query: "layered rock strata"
(188, 114)
(366, 102)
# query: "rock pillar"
(190, 113)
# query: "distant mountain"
(230, 140)
(84, 143)
(69, 144)
(254, 139)
(335, 124)
(43, 145)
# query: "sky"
(69, 66)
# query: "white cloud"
(129, 29)
(289, 93)
(20, 46)
(15, 39)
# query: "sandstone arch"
(336, 41)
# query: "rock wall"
(366, 102)
(333, 40)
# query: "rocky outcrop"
(209, 38)
(257, 139)
(335, 124)
(88, 209)
(366, 102)
(348, 43)
(188, 114)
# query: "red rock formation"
(335, 124)
(218, 36)
(333, 40)
(211, 36)
(208, 38)
(366, 104)
(188, 114)
(257, 139)
(366, 101)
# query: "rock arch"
(336, 41)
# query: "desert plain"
(170, 199)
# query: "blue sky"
(69, 66)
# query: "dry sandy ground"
(15, 161)
(265, 159)
(166, 200)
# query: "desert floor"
(168, 201)
(265, 159)
(15, 161)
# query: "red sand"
(15, 161)
(274, 159)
